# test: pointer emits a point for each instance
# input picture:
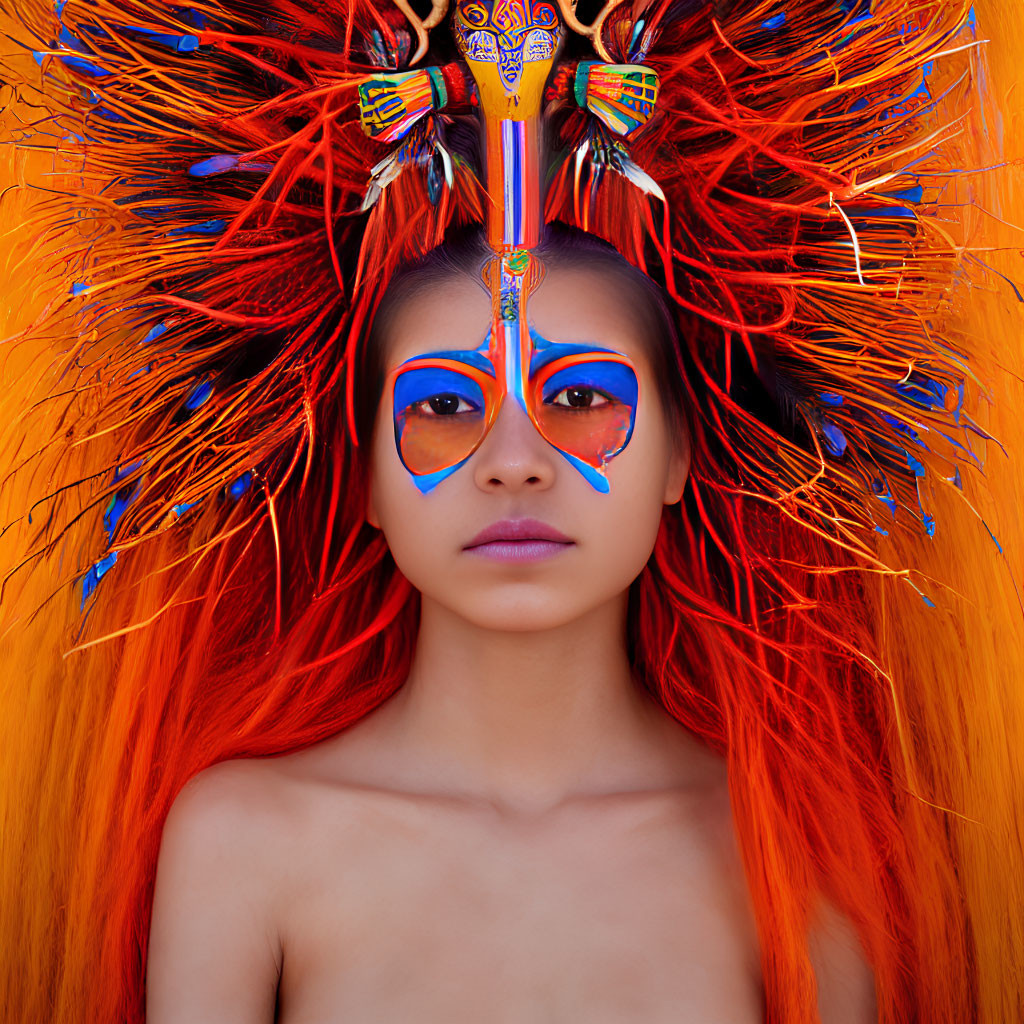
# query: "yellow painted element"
(498, 104)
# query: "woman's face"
(515, 474)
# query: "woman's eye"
(579, 398)
(443, 405)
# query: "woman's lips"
(519, 550)
(519, 540)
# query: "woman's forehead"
(578, 305)
(447, 313)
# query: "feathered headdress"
(261, 172)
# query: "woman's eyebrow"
(471, 357)
(547, 351)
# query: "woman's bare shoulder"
(846, 985)
(227, 831)
(226, 793)
(235, 851)
(214, 945)
(258, 810)
(240, 803)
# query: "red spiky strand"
(804, 156)
(224, 233)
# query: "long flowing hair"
(868, 734)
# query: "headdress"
(238, 184)
(265, 180)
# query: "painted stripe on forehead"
(476, 358)
(545, 351)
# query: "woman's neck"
(528, 720)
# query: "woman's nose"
(514, 455)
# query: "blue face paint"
(445, 402)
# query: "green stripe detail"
(438, 88)
(582, 77)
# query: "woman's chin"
(518, 608)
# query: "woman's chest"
(642, 924)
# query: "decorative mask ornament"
(445, 402)
(511, 34)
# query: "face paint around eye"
(614, 380)
(585, 406)
(444, 405)
(581, 399)
(440, 414)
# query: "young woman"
(521, 833)
(488, 621)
